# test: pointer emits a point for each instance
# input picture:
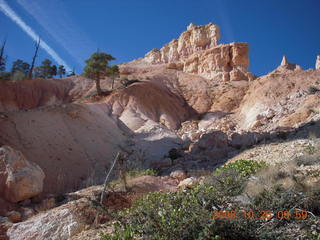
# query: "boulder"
(187, 182)
(59, 224)
(215, 139)
(213, 145)
(245, 140)
(14, 216)
(23, 179)
(179, 175)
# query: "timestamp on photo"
(260, 215)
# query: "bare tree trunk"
(2, 58)
(34, 59)
(112, 83)
(123, 171)
(105, 186)
(99, 91)
(107, 177)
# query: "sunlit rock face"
(196, 38)
(197, 51)
(318, 63)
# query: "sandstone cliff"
(196, 38)
(197, 52)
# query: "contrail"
(54, 17)
(4, 7)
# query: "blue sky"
(72, 29)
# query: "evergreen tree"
(61, 71)
(97, 67)
(113, 72)
(53, 71)
(20, 70)
(2, 57)
(44, 70)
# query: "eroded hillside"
(192, 106)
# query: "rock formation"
(197, 52)
(284, 61)
(286, 65)
(318, 63)
(24, 179)
(59, 224)
(196, 38)
(145, 101)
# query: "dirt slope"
(145, 101)
(73, 144)
(33, 93)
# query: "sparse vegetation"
(20, 70)
(61, 71)
(136, 173)
(188, 214)
(243, 166)
(126, 82)
(310, 149)
(46, 69)
(313, 90)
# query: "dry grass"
(301, 174)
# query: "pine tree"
(97, 67)
(61, 71)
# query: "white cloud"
(57, 21)
(5, 8)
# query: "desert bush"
(187, 214)
(142, 172)
(174, 154)
(313, 90)
(5, 76)
(135, 173)
(310, 159)
(243, 166)
(125, 82)
(310, 149)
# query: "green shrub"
(227, 182)
(310, 149)
(244, 167)
(5, 76)
(313, 90)
(145, 172)
(187, 214)
(120, 233)
(136, 173)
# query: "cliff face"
(196, 38)
(33, 93)
(223, 62)
(197, 51)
